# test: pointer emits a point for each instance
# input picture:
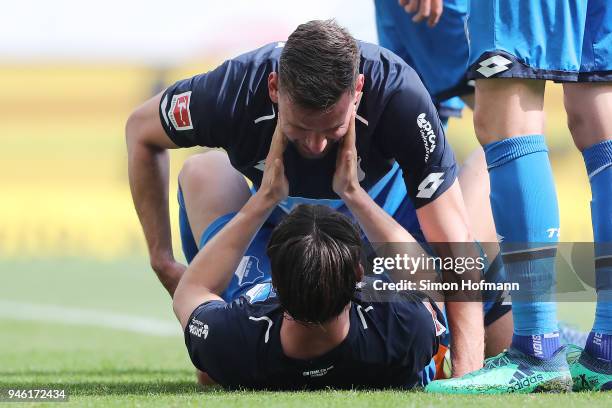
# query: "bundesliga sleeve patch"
(179, 113)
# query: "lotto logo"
(430, 184)
(494, 65)
(179, 113)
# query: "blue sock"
(524, 203)
(598, 161)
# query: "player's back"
(389, 343)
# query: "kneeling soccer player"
(308, 327)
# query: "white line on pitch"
(83, 317)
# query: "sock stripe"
(529, 254)
(603, 262)
(599, 170)
(507, 150)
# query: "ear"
(273, 86)
(359, 84)
(359, 272)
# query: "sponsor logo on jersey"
(427, 134)
(493, 66)
(179, 113)
(317, 373)
(197, 328)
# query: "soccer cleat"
(589, 373)
(511, 371)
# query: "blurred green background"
(63, 165)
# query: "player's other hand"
(345, 178)
(424, 9)
(274, 185)
(168, 270)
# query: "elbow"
(176, 295)
(132, 129)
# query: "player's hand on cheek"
(345, 178)
(274, 184)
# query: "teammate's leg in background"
(509, 123)
(211, 188)
(474, 180)
(589, 109)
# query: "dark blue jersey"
(388, 345)
(229, 107)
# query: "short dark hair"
(319, 62)
(315, 253)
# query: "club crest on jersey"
(427, 134)
(179, 113)
(248, 271)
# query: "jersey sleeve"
(414, 137)
(197, 111)
(217, 341)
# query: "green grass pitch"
(101, 366)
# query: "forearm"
(444, 224)
(466, 324)
(213, 267)
(148, 177)
(378, 226)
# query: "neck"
(305, 341)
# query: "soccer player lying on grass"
(311, 328)
(404, 161)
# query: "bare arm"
(374, 221)
(148, 163)
(211, 270)
(444, 221)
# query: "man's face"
(314, 132)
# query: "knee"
(482, 127)
(200, 169)
(576, 121)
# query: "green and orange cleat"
(511, 372)
(589, 373)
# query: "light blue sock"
(524, 203)
(598, 161)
